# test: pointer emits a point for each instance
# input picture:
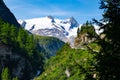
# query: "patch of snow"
(65, 30)
(97, 29)
(50, 26)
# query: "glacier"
(64, 29)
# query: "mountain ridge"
(6, 15)
(51, 26)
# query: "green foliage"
(5, 31)
(30, 47)
(23, 44)
(15, 78)
(94, 46)
(22, 37)
(48, 46)
(88, 28)
(80, 64)
(85, 35)
(108, 66)
(5, 74)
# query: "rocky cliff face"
(14, 62)
(6, 15)
(83, 40)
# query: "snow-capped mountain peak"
(50, 26)
(73, 22)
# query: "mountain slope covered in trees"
(21, 53)
(89, 64)
(18, 52)
(68, 64)
(74, 64)
(48, 45)
(24, 52)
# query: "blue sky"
(81, 10)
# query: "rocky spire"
(73, 22)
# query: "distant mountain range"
(50, 26)
(65, 30)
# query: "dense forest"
(22, 46)
(25, 56)
(97, 60)
(33, 49)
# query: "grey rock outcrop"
(83, 40)
(6, 15)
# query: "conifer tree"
(78, 32)
(15, 78)
(5, 31)
(108, 60)
(5, 74)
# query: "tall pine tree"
(108, 60)
(5, 74)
